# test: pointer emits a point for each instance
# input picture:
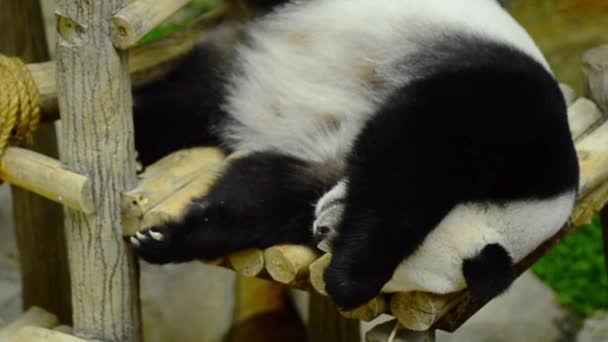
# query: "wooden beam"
(139, 17)
(46, 177)
(41, 242)
(95, 103)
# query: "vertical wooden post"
(38, 222)
(325, 324)
(95, 105)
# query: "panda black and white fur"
(437, 124)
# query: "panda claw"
(141, 236)
(156, 235)
(134, 241)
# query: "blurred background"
(563, 298)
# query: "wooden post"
(325, 324)
(41, 242)
(95, 105)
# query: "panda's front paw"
(177, 241)
(159, 244)
(352, 287)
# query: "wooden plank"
(95, 103)
(39, 229)
(133, 22)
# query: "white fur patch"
(314, 57)
(436, 266)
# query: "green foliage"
(181, 19)
(575, 269)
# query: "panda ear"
(490, 272)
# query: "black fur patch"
(486, 124)
(181, 110)
(261, 200)
(490, 272)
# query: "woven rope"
(19, 102)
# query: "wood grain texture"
(133, 22)
(95, 103)
(39, 229)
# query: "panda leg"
(490, 272)
(261, 200)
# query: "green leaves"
(575, 269)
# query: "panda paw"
(176, 241)
(352, 287)
(159, 244)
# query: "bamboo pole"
(95, 103)
(139, 17)
(46, 177)
(39, 229)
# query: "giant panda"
(424, 143)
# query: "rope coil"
(19, 103)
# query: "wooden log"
(34, 316)
(248, 262)
(418, 311)
(593, 155)
(316, 270)
(568, 92)
(66, 329)
(39, 229)
(288, 263)
(148, 62)
(46, 177)
(95, 103)
(167, 176)
(583, 117)
(174, 205)
(139, 17)
(595, 67)
(36, 334)
(325, 324)
(369, 311)
(393, 331)
(263, 312)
